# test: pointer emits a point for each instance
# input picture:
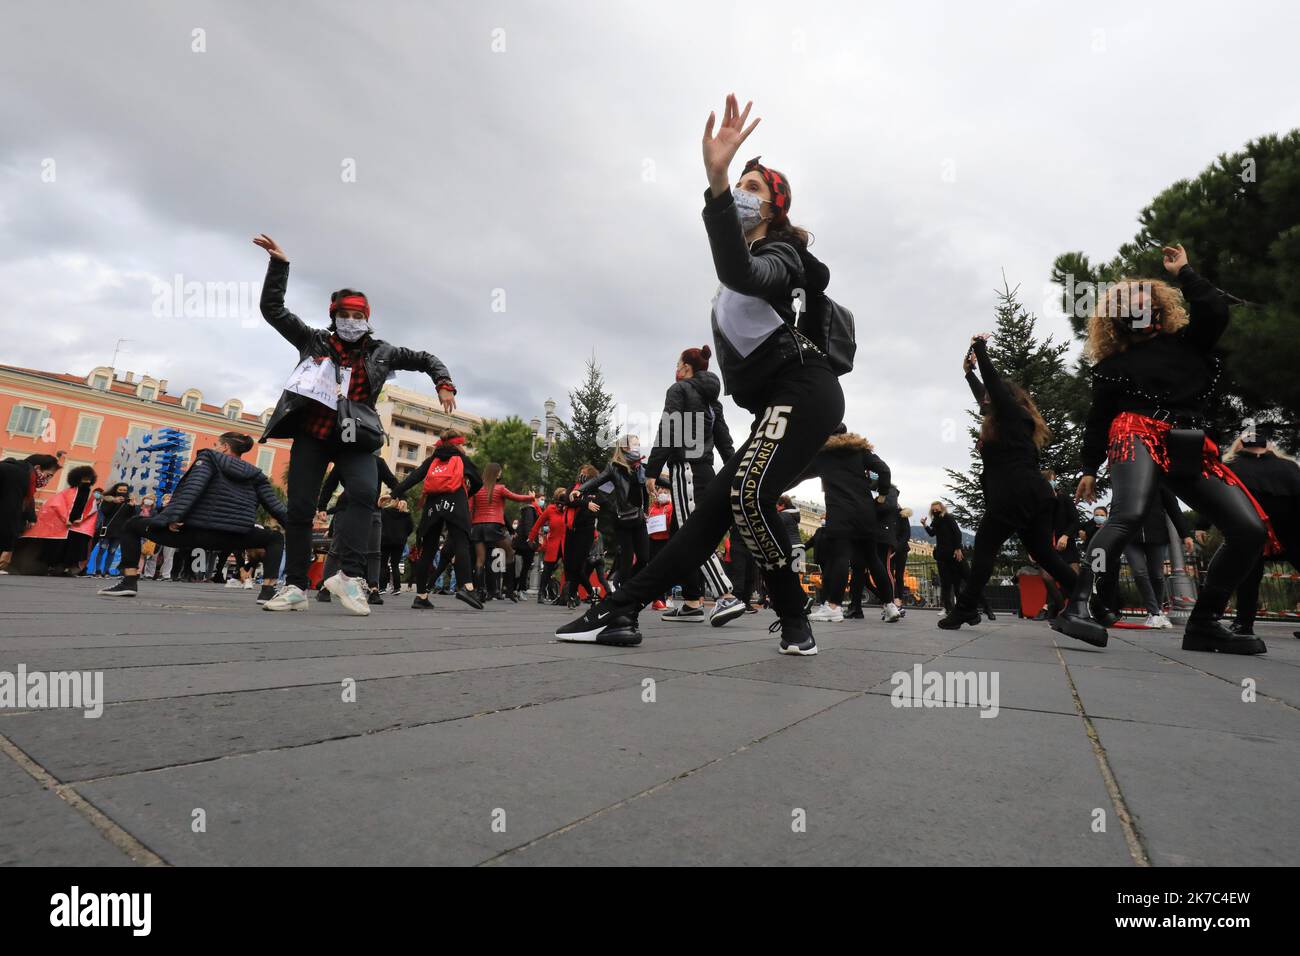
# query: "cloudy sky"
(551, 150)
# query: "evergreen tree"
(1038, 366)
(585, 438)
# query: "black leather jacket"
(628, 496)
(382, 359)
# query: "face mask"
(750, 208)
(541, 503)
(42, 478)
(662, 499)
(98, 495)
(633, 455)
(1100, 519)
(350, 330)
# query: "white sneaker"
(288, 598)
(233, 583)
(1164, 621)
(248, 584)
(1153, 620)
(351, 592)
(827, 614)
(889, 613)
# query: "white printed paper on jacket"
(656, 524)
(315, 380)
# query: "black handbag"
(359, 424)
(1186, 450)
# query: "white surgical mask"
(750, 208)
(662, 499)
(350, 330)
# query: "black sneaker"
(1243, 630)
(958, 616)
(989, 614)
(599, 626)
(684, 614)
(1207, 634)
(469, 597)
(726, 609)
(323, 596)
(796, 635)
(375, 598)
(123, 588)
(854, 611)
(513, 596)
(421, 604)
(265, 594)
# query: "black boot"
(1104, 600)
(1207, 634)
(510, 584)
(959, 615)
(1076, 620)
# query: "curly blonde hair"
(1106, 337)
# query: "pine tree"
(1040, 368)
(585, 438)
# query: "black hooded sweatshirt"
(843, 464)
(692, 417)
(1275, 483)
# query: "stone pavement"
(474, 738)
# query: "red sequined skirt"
(1130, 427)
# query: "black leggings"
(457, 542)
(859, 555)
(390, 560)
(898, 567)
(992, 534)
(633, 553)
(1133, 485)
(801, 409)
(200, 539)
(577, 548)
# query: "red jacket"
(667, 512)
(483, 510)
(553, 520)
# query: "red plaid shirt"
(321, 422)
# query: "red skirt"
(1130, 427)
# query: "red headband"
(776, 183)
(458, 440)
(356, 303)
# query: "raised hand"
(448, 399)
(267, 243)
(1087, 489)
(1175, 258)
(720, 150)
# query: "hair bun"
(706, 351)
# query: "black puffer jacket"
(770, 271)
(842, 464)
(397, 527)
(687, 404)
(220, 492)
(381, 359)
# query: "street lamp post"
(544, 435)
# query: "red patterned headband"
(458, 440)
(776, 183)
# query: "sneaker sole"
(794, 651)
(689, 619)
(299, 606)
(117, 593)
(717, 619)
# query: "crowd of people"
(629, 532)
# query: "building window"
(266, 460)
(148, 392)
(27, 420)
(135, 435)
(100, 382)
(87, 430)
(190, 403)
(231, 411)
